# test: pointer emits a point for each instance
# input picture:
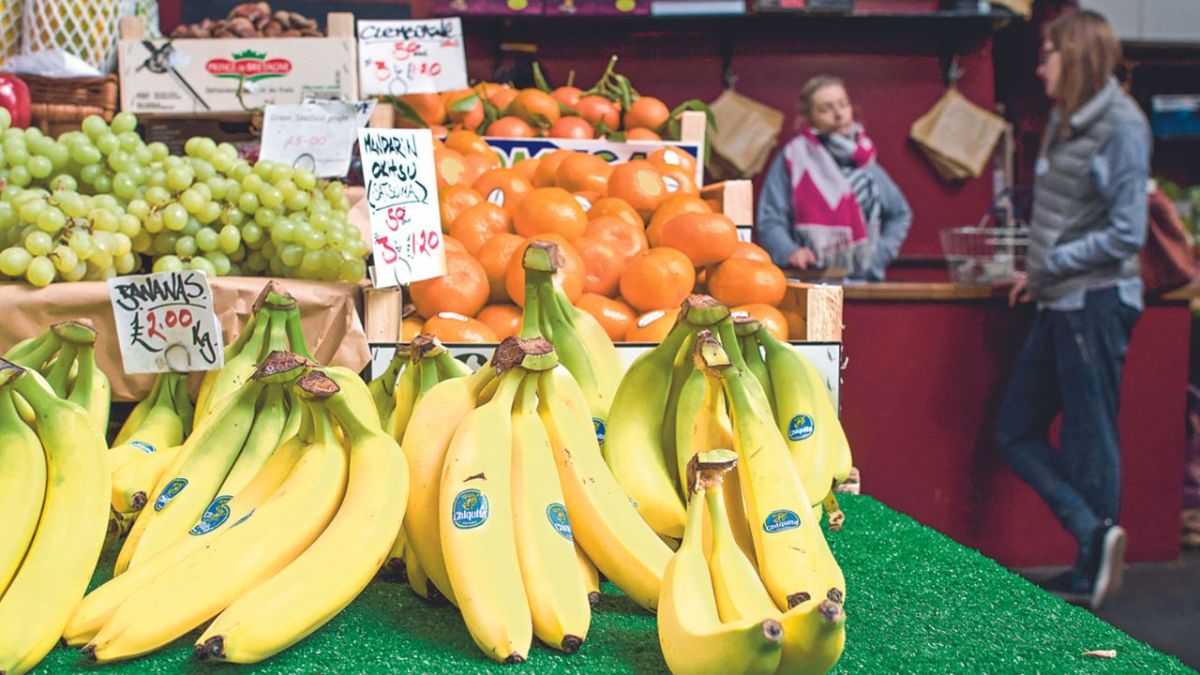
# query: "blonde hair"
(1089, 53)
(810, 89)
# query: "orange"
(619, 208)
(671, 207)
(595, 109)
(527, 168)
(705, 238)
(410, 326)
(450, 166)
(657, 279)
(614, 316)
(548, 167)
(453, 245)
(475, 163)
(714, 204)
(467, 142)
(453, 200)
(642, 134)
(510, 127)
(502, 187)
(479, 223)
(502, 96)
(567, 95)
(638, 183)
(569, 276)
(665, 158)
(470, 118)
(648, 112)
(438, 131)
(768, 316)
(582, 171)
(746, 282)
(602, 265)
(535, 107)
(749, 251)
(504, 320)
(549, 210)
(571, 127)
(462, 289)
(679, 181)
(586, 198)
(652, 326)
(451, 327)
(429, 107)
(495, 255)
(626, 238)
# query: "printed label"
(144, 447)
(168, 493)
(242, 519)
(216, 514)
(557, 513)
(598, 424)
(781, 520)
(801, 427)
(470, 509)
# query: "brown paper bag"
(1020, 7)
(959, 133)
(746, 134)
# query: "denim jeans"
(1071, 364)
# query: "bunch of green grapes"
(101, 202)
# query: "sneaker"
(1110, 573)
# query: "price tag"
(411, 57)
(165, 322)
(362, 109)
(318, 136)
(402, 204)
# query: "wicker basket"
(60, 104)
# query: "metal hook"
(186, 355)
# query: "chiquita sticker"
(144, 447)
(801, 427)
(557, 514)
(781, 520)
(171, 491)
(216, 514)
(470, 509)
(598, 424)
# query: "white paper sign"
(318, 136)
(402, 203)
(411, 57)
(165, 322)
(362, 109)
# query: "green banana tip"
(273, 293)
(9, 371)
(424, 346)
(702, 310)
(542, 256)
(78, 331)
(709, 353)
(706, 470)
(279, 364)
(530, 353)
(745, 325)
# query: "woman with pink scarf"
(826, 203)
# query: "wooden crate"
(60, 104)
(813, 312)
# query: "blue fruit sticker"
(242, 519)
(144, 447)
(168, 493)
(781, 520)
(470, 509)
(557, 513)
(600, 429)
(801, 427)
(216, 514)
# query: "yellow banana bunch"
(58, 564)
(383, 387)
(22, 486)
(137, 462)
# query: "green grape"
(159, 150)
(153, 223)
(353, 270)
(143, 155)
(204, 191)
(192, 200)
(51, 220)
(5, 118)
(284, 231)
(19, 176)
(299, 201)
(281, 172)
(85, 154)
(77, 273)
(103, 184)
(81, 242)
(235, 270)
(180, 178)
(207, 239)
(138, 208)
(200, 146)
(168, 263)
(143, 242)
(233, 191)
(90, 173)
(101, 259)
(64, 183)
(64, 258)
(31, 209)
(312, 261)
(107, 144)
(16, 156)
(130, 141)
(210, 213)
(215, 186)
(270, 196)
(120, 160)
(232, 215)
(193, 226)
(314, 241)
(14, 260)
(175, 217)
(157, 197)
(93, 126)
(172, 162)
(269, 249)
(222, 162)
(39, 167)
(40, 271)
(125, 264)
(39, 144)
(157, 178)
(278, 269)
(58, 155)
(73, 204)
(123, 186)
(102, 242)
(220, 262)
(287, 186)
(292, 255)
(10, 192)
(263, 169)
(239, 170)
(334, 190)
(305, 180)
(203, 169)
(227, 148)
(248, 202)
(8, 216)
(104, 220)
(203, 265)
(320, 222)
(252, 233)
(252, 183)
(121, 244)
(239, 254)
(185, 247)
(255, 262)
(106, 202)
(266, 217)
(129, 225)
(164, 242)
(32, 134)
(229, 239)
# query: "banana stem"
(60, 372)
(295, 331)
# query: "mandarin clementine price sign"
(411, 57)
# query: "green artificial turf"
(917, 602)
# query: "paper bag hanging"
(746, 134)
(957, 135)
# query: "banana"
(394, 567)
(682, 365)
(238, 559)
(60, 560)
(558, 595)
(790, 548)
(702, 422)
(450, 367)
(295, 330)
(591, 576)
(273, 423)
(34, 352)
(425, 443)
(22, 487)
(605, 522)
(99, 605)
(745, 328)
(690, 630)
(184, 406)
(382, 387)
(477, 525)
(405, 396)
(91, 388)
(813, 636)
(140, 477)
(59, 373)
(418, 581)
(219, 385)
(160, 427)
(331, 572)
(739, 591)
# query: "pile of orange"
(636, 239)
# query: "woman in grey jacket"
(826, 202)
(1089, 223)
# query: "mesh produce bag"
(85, 28)
(10, 29)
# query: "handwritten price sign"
(402, 202)
(411, 57)
(316, 135)
(165, 322)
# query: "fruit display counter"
(921, 603)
